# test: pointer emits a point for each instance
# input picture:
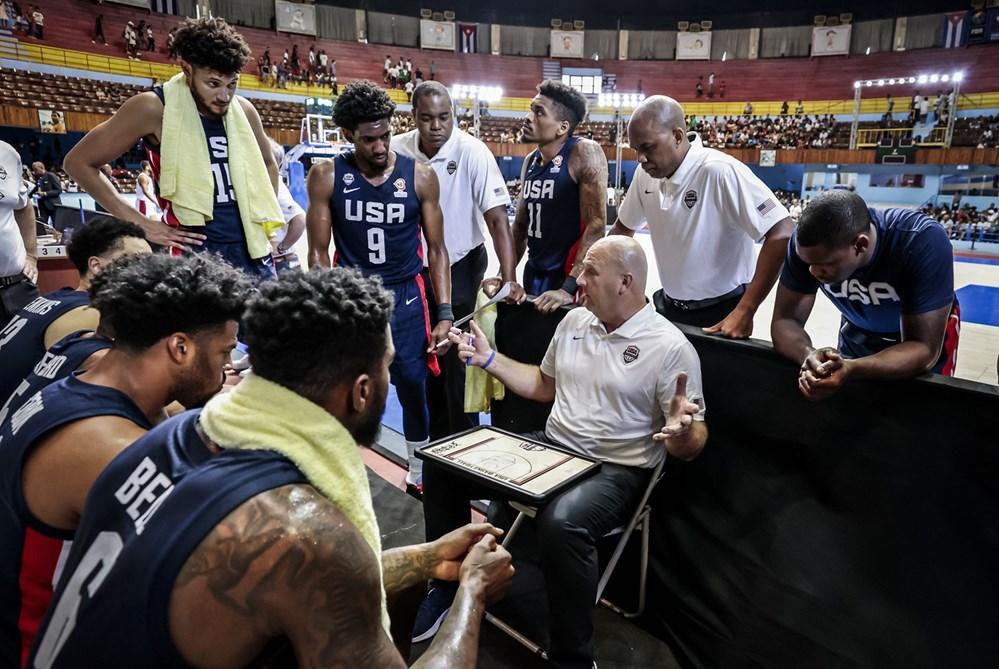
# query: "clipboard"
(522, 469)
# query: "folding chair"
(639, 521)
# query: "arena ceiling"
(646, 15)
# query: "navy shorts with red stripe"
(411, 336)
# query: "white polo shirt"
(470, 182)
(704, 221)
(612, 390)
(13, 197)
(289, 210)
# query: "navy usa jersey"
(22, 339)
(377, 229)
(146, 513)
(554, 222)
(31, 548)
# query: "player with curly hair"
(249, 561)
(376, 205)
(174, 322)
(211, 54)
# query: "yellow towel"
(481, 387)
(186, 174)
(260, 415)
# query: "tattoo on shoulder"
(292, 540)
(589, 163)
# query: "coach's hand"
(473, 346)
(158, 232)
(440, 334)
(551, 300)
(737, 325)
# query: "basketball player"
(211, 57)
(174, 324)
(376, 203)
(49, 318)
(563, 202)
(246, 553)
(889, 272)
(145, 191)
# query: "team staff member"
(705, 210)
(174, 324)
(649, 373)
(376, 204)
(247, 549)
(49, 318)
(890, 272)
(209, 202)
(18, 246)
(294, 221)
(563, 202)
(48, 188)
(145, 191)
(473, 195)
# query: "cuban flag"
(164, 6)
(954, 29)
(468, 35)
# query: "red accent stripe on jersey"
(432, 363)
(952, 337)
(168, 216)
(39, 557)
(570, 258)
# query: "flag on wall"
(468, 34)
(954, 29)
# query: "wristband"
(445, 312)
(492, 356)
(569, 285)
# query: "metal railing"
(871, 137)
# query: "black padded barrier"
(862, 531)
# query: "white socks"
(415, 475)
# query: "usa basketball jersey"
(377, 229)
(146, 513)
(22, 340)
(31, 548)
(61, 360)
(554, 222)
(226, 227)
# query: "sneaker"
(415, 490)
(433, 610)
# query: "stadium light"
(958, 76)
(619, 100)
(476, 92)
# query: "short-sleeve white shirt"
(289, 210)
(13, 197)
(704, 221)
(612, 390)
(470, 184)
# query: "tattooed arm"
(440, 559)
(288, 563)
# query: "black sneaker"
(433, 610)
(415, 490)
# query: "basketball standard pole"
(855, 125)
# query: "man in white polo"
(644, 403)
(705, 210)
(18, 267)
(473, 197)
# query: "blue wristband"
(490, 360)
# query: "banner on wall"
(437, 35)
(164, 6)
(567, 43)
(978, 27)
(693, 46)
(52, 121)
(295, 18)
(994, 25)
(953, 34)
(469, 37)
(144, 4)
(831, 40)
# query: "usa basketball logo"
(690, 198)
(348, 178)
(630, 354)
(556, 164)
(452, 167)
(400, 187)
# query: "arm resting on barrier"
(922, 341)
(787, 329)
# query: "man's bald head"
(661, 110)
(623, 255)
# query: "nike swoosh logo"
(411, 300)
(351, 190)
(648, 192)
(574, 337)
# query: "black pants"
(567, 529)
(700, 317)
(13, 298)
(46, 209)
(446, 393)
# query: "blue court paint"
(979, 304)
(392, 417)
(977, 260)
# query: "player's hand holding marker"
(473, 346)
(681, 413)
